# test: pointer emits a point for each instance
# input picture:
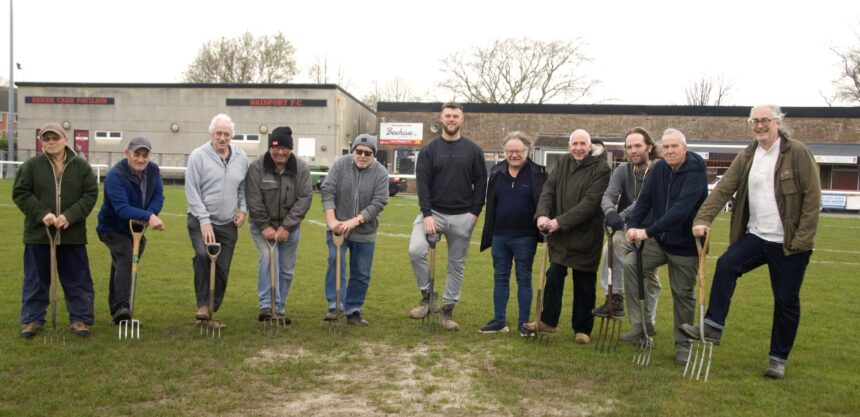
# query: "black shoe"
(282, 319)
(120, 315)
(494, 327)
(617, 301)
(330, 316)
(712, 334)
(355, 319)
(265, 314)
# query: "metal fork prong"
(691, 358)
(135, 328)
(710, 347)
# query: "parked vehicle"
(731, 204)
(395, 184)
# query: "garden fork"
(609, 329)
(699, 348)
(271, 325)
(131, 326)
(213, 250)
(53, 241)
(336, 325)
(432, 240)
(539, 336)
(642, 356)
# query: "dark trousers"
(120, 247)
(786, 277)
(73, 268)
(226, 235)
(584, 284)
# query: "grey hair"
(675, 132)
(221, 117)
(522, 137)
(587, 135)
(777, 113)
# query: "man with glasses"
(675, 190)
(452, 179)
(774, 221)
(278, 191)
(512, 195)
(56, 191)
(215, 190)
(354, 193)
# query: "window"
(247, 137)
(108, 135)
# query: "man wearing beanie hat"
(278, 191)
(353, 194)
(37, 194)
(215, 190)
(133, 191)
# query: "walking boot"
(447, 318)
(423, 307)
(712, 334)
(617, 301)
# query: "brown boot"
(31, 329)
(423, 308)
(80, 329)
(446, 317)
(532, 327)
(582, 339)
(202, 313)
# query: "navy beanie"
(281, 136)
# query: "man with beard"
(569, 209)
(617, 204)
(353, 195)
(452, 178)
(512, 195)
(278, 191)
(133, 191)
(774, 221)
(215, 190)
(673, 193)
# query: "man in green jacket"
(569, 209)
(773, 222)
(56, 191)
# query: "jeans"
(354, 291)
(505, 250)
(226, 235)
(457, 229)
(786, 277)
(584, 283)
(285, 264)
(120, 247)
(73, 269)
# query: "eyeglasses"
(50, 138)
(360, 152)
(515, 151)
(763, 122)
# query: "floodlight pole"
(10, 117)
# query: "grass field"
(397, 366)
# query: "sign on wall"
(276, 102)
(307, 147)
(68, 100)
(410, 134)
(835, 159)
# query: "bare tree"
(396, 89)
(519, 70)
(848, 84)
(318, 73)
(708, 91)
(244, 59)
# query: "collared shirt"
(764, 219)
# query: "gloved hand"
(614, 220)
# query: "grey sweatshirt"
(623, 189)
(350, 191)
(214, 189)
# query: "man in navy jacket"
(673, 193)
(133, 191)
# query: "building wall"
(151, 110)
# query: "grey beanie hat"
(364, 139)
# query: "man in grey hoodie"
(215, 189)
(278, 190)
(354, 193)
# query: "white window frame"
(112, 135)
(243, 137)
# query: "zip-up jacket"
(350, 191)
(38, 191)
(672, 197)
(215, 189)
(124, 199)
(538, 177)
(278, 198)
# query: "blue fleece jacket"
(124, 200)
(672, 197)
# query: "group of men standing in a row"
(662, 204)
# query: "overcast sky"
(643, 52)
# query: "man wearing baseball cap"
(133, 191)
(278, 191)
(354, 193)
(56, 191)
